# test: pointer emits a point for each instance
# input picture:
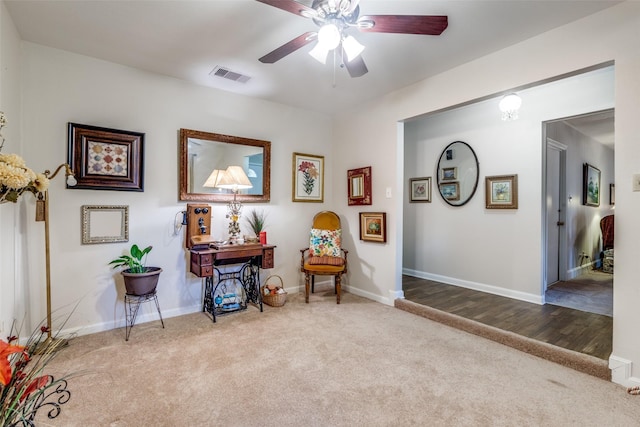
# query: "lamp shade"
(234, 178)
(509, 106)
(329, 36)
(214, 178)
(352, 48)
(319, 53)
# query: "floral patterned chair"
(324, 256)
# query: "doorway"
(573, 275)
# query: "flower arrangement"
(24, 388)
(310, 173)
(15, 176)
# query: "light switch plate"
(636, 182)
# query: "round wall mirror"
(458, 172)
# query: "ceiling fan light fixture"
(329, 36)
(319, 53)
(352, 47)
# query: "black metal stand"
(54, 394)
(249, 277)
(131, 307)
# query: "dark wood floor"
(575, 330)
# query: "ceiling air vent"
(225, 73)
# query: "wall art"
(590, 185)
(359, 186)
(373, 226)
(501, 192)
(308, 178)
(106, 159)
(450, 190)
(105, 224)
(420, 189)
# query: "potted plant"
(138, 278)
(256, 220)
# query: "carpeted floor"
(591, 292)
(359, 363)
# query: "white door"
(555, 211)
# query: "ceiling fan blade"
(291, 6)
(432, 25)
(356, 67)
(289, 47)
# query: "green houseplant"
(138, 278)
(256, 220)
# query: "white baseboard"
(328, 281)
(149, 316)
(495, 290)
(579, 271)
(621, 372)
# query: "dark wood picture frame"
(591, 188)
(420, 189)
(359, 186)
(373, 226)
(106, 159)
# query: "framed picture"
(501, 192)
(106, 159)
(373, 226)
(420, 189)
(612, 194)
(449, 174)
(308, 178)
(359, 186)
(450, 190)
(590, 185)
(105, 224)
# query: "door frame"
(550, 144)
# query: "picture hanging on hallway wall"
(106, 159)
(591, 185)
(420, 189)
(501, 192)
(308, 178)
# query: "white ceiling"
(187, 39)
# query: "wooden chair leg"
(313, 283)
(338, 288)
(306, 287)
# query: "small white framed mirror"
(105, 224)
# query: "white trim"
(495, 290)
(621, 372)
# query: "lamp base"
(51, 345)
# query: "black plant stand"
(131, 307)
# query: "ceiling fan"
(335, 19)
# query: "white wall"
(368, 136)
(60, 87)
(497, 251)
(10, 105)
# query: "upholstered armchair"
(324, 256)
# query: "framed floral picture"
(420, 189)
(373, 226)
(590, 185)
(359, 186)
(106, 159)
(308, 178)
(501, 192)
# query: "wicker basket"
(276, 300)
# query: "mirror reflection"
(204, 155)
(458, 173)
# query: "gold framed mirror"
(202, 153)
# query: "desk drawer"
(267, 258)
(240, 253)
(201, 270)
(201, 258)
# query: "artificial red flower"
(5, 367)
